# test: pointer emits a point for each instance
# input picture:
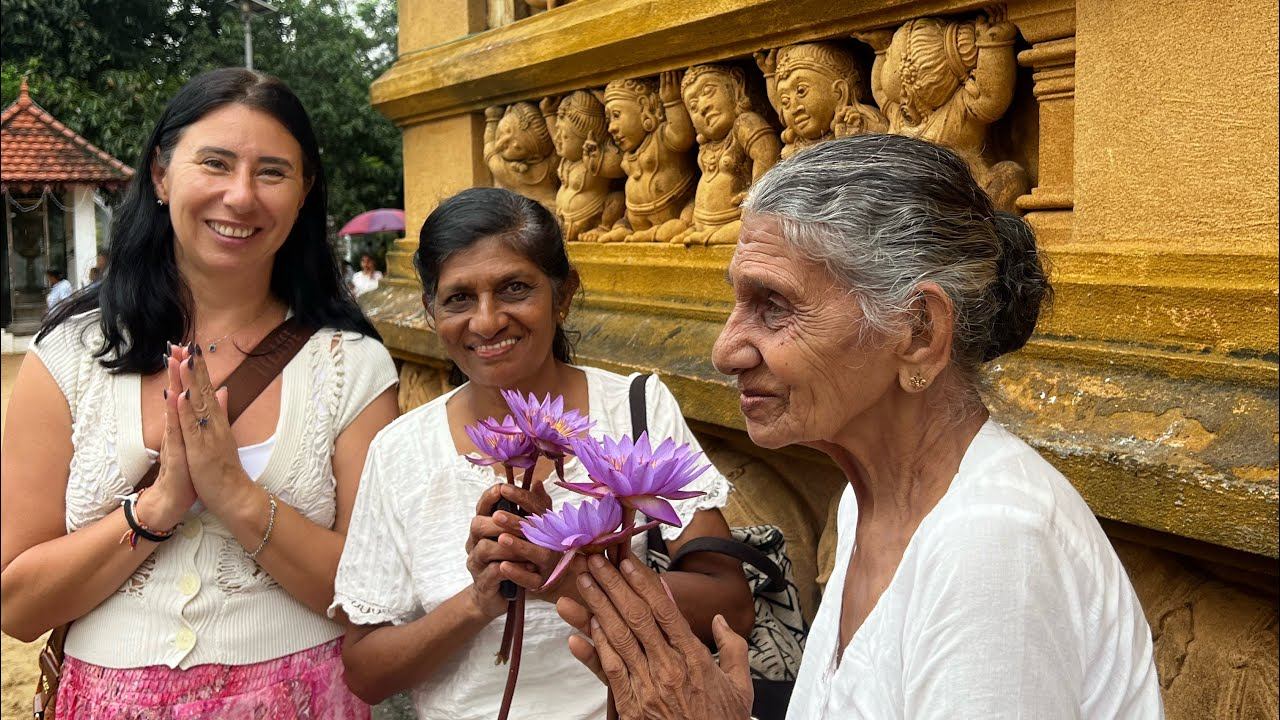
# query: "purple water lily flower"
(638, 475)
(588, 527)
(501, 442)
(547, 423)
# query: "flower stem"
(515, 620)
(622, 548)
(508, 633)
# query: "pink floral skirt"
(306, 685)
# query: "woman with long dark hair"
(203, 595)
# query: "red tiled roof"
(37, 149)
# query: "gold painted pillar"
(1050, 27)
(444, 155)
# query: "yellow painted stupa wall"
(1149, 134)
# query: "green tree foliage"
(107, 67)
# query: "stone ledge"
(1191, 455)
(1182, 314)
(585, 44)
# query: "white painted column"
(85, 234)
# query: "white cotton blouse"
(199, 598)
(1009, 602)
(405, 554)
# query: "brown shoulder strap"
(265, 361)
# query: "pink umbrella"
(372, 221)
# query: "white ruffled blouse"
(405, 554)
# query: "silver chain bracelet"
(271, 523)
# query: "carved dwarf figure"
(652, 128)
(814, 87)
(588, 199)
(946, 81)
(735, 147)
(519, 152)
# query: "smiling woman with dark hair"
(872, 281)
(420, 574)
(202, 594)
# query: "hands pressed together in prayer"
(198, 455)
(635, 640)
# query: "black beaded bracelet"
(138, 529)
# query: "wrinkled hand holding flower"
(642, 647)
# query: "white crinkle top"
(1009, 602)
(405, 554)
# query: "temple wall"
(1140, 144)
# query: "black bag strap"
(639, 412)
(738, 550)
(733, 548)
(640, 424)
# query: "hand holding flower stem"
(534, 429)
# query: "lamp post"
(249, 8)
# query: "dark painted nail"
(186, 394)
(166, 393)
(191, 362)
(199, 351)
(168, 348)
(191, 348)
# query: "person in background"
(203, 595)
(59, 286)
(873, 281)
(367, 277)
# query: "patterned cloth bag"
(777, 639)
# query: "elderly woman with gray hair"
(873, 279)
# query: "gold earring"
(918, 382)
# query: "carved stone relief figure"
(945, 81)
(735, 147)
(649, 123)
(588, 202)
(814, 89)
(519, 152)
